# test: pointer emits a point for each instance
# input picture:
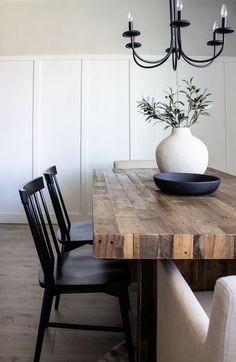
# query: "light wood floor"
(20, 303)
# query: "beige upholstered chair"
(185, 333)
(134, 164)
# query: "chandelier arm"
(210, 60)
(175, 52)
(178, 31)
(174, 38)
(214, 52)
(179, 45)
(157, 62)
(160, 61)
(172, 10)
(196, 64)
(203, 61)
(174, 60)
(149, 66)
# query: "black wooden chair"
(70, 234)
(70, 272)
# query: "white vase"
(182, 152)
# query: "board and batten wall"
(80, 113)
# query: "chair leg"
(127, 298)
(126, 323)
(57, 301)
(44, 319)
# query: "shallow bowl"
(186, 183)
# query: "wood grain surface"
(133, 219)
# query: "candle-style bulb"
(179, 5)
(130, 16)
(215, 26)
(224, 11)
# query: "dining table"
(134, 220)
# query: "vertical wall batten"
(16, 89)
(84, 180)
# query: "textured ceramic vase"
(182, 152)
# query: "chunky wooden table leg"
(147, 311)
(202, 274)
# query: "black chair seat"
(79, 268)
(79, 231)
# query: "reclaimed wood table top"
(133, 219)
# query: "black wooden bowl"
(186, 183)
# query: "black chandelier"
(176, 49)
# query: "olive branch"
(177, 113)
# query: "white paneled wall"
(152, 82)
(59, 125)
(106, 120)
(81, 113)
(230, 101)
(16, 114)
(211, 130)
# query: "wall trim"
(94, 57)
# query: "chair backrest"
(41, 227)
(59, 207)
(134, 164)
(191, 335)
